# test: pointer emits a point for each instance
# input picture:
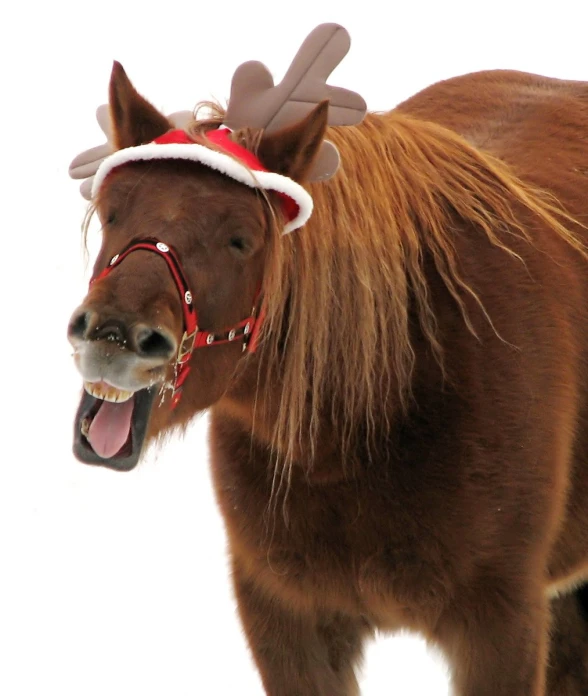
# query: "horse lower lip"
(128, 456)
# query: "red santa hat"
(238, 163)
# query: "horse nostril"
(154, 343)
(78, 324)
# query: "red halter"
(247, 329)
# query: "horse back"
(539, 127)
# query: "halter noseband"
(247, 329)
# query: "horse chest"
(346, 547)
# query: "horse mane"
(348, 277)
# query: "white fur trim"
(216, 160)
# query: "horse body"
(456, 508)
(538, 125)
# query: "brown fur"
(408, 447)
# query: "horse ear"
(292, 150)
(134, 120)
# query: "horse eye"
(238, 243)
(111, 219)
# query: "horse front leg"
(299, 654)
(497, 642)
(567, 672)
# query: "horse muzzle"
(123, 366)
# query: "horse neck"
(346, 290)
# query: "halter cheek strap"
(246, 330)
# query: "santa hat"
(230, 159)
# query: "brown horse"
(408, 446)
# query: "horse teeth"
(104, 392)
(85, 427)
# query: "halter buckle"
(186, 345)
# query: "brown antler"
(255, 102)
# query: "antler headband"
(254, 102)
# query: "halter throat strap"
(247, 330)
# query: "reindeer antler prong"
(257, 103)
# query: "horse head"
(188, 216)
(177, 278)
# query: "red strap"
(170, 257)
(247, 329)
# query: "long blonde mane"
(337, 292)
(337, 335)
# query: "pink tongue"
(110, 428)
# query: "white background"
(115, 584)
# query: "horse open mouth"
(110, 426)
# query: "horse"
(407, 445)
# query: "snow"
(117, 583)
